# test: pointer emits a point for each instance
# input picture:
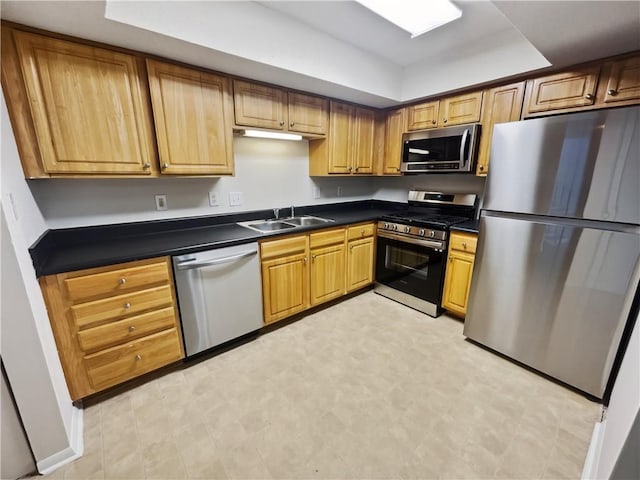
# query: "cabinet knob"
(433, 121)
(292, 124)
(362, 233)
(481, 168)
(138, 357)
(357, 168)
(612, 92)
(304, 260)
(122, 281)
(350, 168)
(146, 166)
(132, 328)
(127, 305)
(350, 247)
(397, 169)
(589, 96)
(165, 165)
(282, 123)
(464, 245)
(444, 120)
(313, 258)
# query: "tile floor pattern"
(366, 388)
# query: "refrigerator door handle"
(463, 146)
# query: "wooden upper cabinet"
(340, 137)
(89, 107)
(561, 91)
(193, 114)
(623, 82)
(364, 129)
(423, 116)
(460, 109)
(258, 105)
(394, 128)
(307, 113)
(501, 104)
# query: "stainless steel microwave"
(449, 149)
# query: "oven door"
(411, 271)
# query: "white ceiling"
(343, 50)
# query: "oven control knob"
(432, 234)
(407, 229)
(421, 232)
(385, 226)
(394, 227)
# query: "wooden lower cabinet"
(112, 324)
(360, 256)
(457, 282)
(327, 273)
(285, 286)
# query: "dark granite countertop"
(471, 226)
(64, 250)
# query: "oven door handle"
(463, 145)
(435, 244)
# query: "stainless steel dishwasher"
(220, 295)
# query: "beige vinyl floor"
(366, 388)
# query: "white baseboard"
(72, 452)
(590, 469)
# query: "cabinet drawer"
(286, 246)
(92, 313)
(360, 231)
(117, 364)
(328, 237)
(463, 242)
(126, 329)
(114, 282)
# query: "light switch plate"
(213, 199)
(235, 199)
(161, 202)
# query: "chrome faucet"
(276, 213)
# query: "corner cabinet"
(88, 107)
(348, 148)
(112, 324)
(457, 281)
(193, 112)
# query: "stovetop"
(425, 220)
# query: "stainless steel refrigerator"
(558, 259)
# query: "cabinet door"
(307, 114)
(423, 116)
(258, 105)
(194, 119)
(89, 109)
(501, 104)
(394, 128)
(285, 286)
(327, 273)
(461, 109)
(363, 137)
(457, 282)
(624, 81)
(340, 138)
(561, 91)
(359, 263)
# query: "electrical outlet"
(316, 192)
(235, 199)
(213, 199)
(161, 202)
(339, 190)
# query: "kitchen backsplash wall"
(396, 188)
(269, 173)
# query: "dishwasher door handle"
(190, 266)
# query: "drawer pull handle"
(146, 166)
(589, 96)
(122, 281)
(138, 357)
(612, 92)
(132, 328)
(127, 305)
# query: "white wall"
(28, 347)
(395, 189)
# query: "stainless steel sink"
(284, 223)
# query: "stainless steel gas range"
(412, 248)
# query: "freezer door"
(555, 297)
(584, 165)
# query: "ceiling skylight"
(414, 16)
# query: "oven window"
(407, 261)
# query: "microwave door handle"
(463, 144)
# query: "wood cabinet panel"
(326, 237)
(258, 105)
(90, 111)
(561, 91)
(423, 116)
(461, 109)
(193, 114)
(307, 113)
(118, 364)
(364, 126)
(285, 286)
(394, 128)
(360, 260)
(284, 246)
(623, 82)
(340, 137)
(501, 104)
(464, 242)
(327, 273)
(360, 231)
(457, 282)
